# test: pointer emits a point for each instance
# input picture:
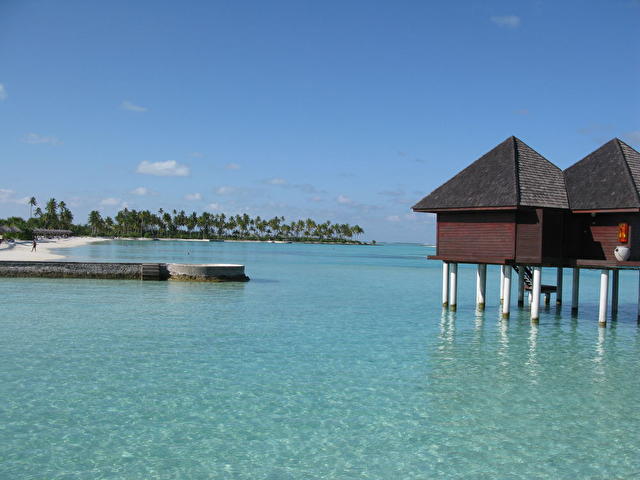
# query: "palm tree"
(66, 217)
(51, 213)
(32, 203)
(95, 221)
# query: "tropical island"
(177, 224)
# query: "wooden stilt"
(453, 285)
(547, 299)
(615, 281)
(575, 290)
(481, 286)
(521, 285)
(506, 303)
(535, 294)
(604, 294)
(445, 284)
(559, 286)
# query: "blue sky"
(349, 111)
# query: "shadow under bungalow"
(513, 207)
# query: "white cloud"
(344, 200)
(214, 206)
(132, 107)
(225, 190)
(74, 202)
(197, 154)
(507, 21)
(303, 187)
(393, 218)
(34, 139)
(5, 194)
(232, 166)
(3, 93)
(109, 202)
(170, 168)
(193, 196)
(141, 191)
(633, 137)
(277, 181)
(316, 199)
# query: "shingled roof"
(606, 179)
(510, 175)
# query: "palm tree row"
(179, 224)
(56, 215)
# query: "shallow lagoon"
(333, 362)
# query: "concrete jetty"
(125, 271)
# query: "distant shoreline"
(232, 240)
(20, 250)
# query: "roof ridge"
(626, 164)
(516, 166)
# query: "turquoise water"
(334, 362)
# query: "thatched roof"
(606, 179)
(50, 231)
(511, 175)
(9, 229)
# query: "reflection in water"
(532, 357)
(478, 328)
(503, 348)
(599, 358)
(447, 327)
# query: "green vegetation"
(56, 215)
(133, 223)
(179, 224)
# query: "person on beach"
(34, 245)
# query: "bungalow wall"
(595, 237)
(479, 236)
(528, 236)
(540, 236)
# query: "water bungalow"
(514, 208)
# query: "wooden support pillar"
(559, 286)
(535, 294)
(547, 299)
(445, 284)
(521, 285)
(604, 294)
(506, 303)
(615, 281)
(481, 286)
(453, 285)
(575, 290)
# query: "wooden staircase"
(528, 275)
(150, 271)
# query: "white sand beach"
(21, 249)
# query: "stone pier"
(125, 271)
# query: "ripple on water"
(333, 367)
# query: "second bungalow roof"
(606, 179)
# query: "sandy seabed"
(21, 250)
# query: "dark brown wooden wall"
(477, 236)
(553, 236)
(529, 236)
(595, 238)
